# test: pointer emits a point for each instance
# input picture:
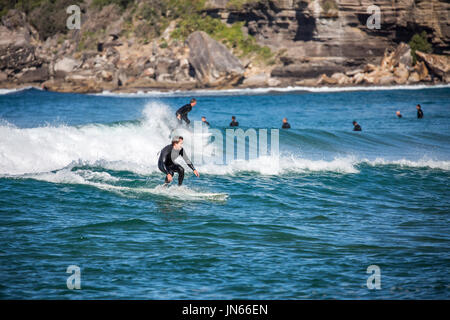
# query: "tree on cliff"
(419, 42)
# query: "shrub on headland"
(419, 42)
(232, 36)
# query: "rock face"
(66, 65)
(395, 68)
(439, 65)
(333, 34)
(17, 53)
(214, 65)
(314, 42)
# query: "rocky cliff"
(326, 36)
(146, 44)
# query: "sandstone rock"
(386, 80)
(121, 77)
(66, 65)
(214, 65)
(307, 70)
(437, 64)
(272, 82)
(165, 65)
(149, 72)
(80, 86)
(306, 82)
(256, 80)
(414, 77)
(3, 76)
(164, 77)
(358, 78)
(370, 79)
(37, 75)
(324, 79)
(16, 52)
(304, 29)
(106, 75)
(402, 54)
(112, 55)
(370, 67)
(422, 71)
(401, 74)
(354, 72)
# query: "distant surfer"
(167, 164)
(233, 122)
(184, 110)
(356, 126)
(286, 124)
(419, 112)
(399, 115)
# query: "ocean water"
(79, 185)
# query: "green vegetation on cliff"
(123, 4)
(154, 17)
(239, 4)
(147, 20)
(419, 42)
(232, 36)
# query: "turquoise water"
(79, 186)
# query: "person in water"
(419, 112)
(233, 122)
(356, 126)
(167, 164)
(204, 121)
(286, 124)
(398, 114)
(184, 110)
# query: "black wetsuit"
(286, 125)
(183, 111)
(206, 122)
(234, 123)
(357, 128)
(167, 165)
(419, 114)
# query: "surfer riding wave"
(167, 164)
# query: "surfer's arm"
(187, 160)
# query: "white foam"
(8, 91)
(135, 146)
(253, 91)
(84, 177)
(421, 163)
(282, 165)
(43, 149)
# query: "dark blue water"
(79, 186)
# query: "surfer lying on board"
(167, 164)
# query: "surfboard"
(174, 192)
